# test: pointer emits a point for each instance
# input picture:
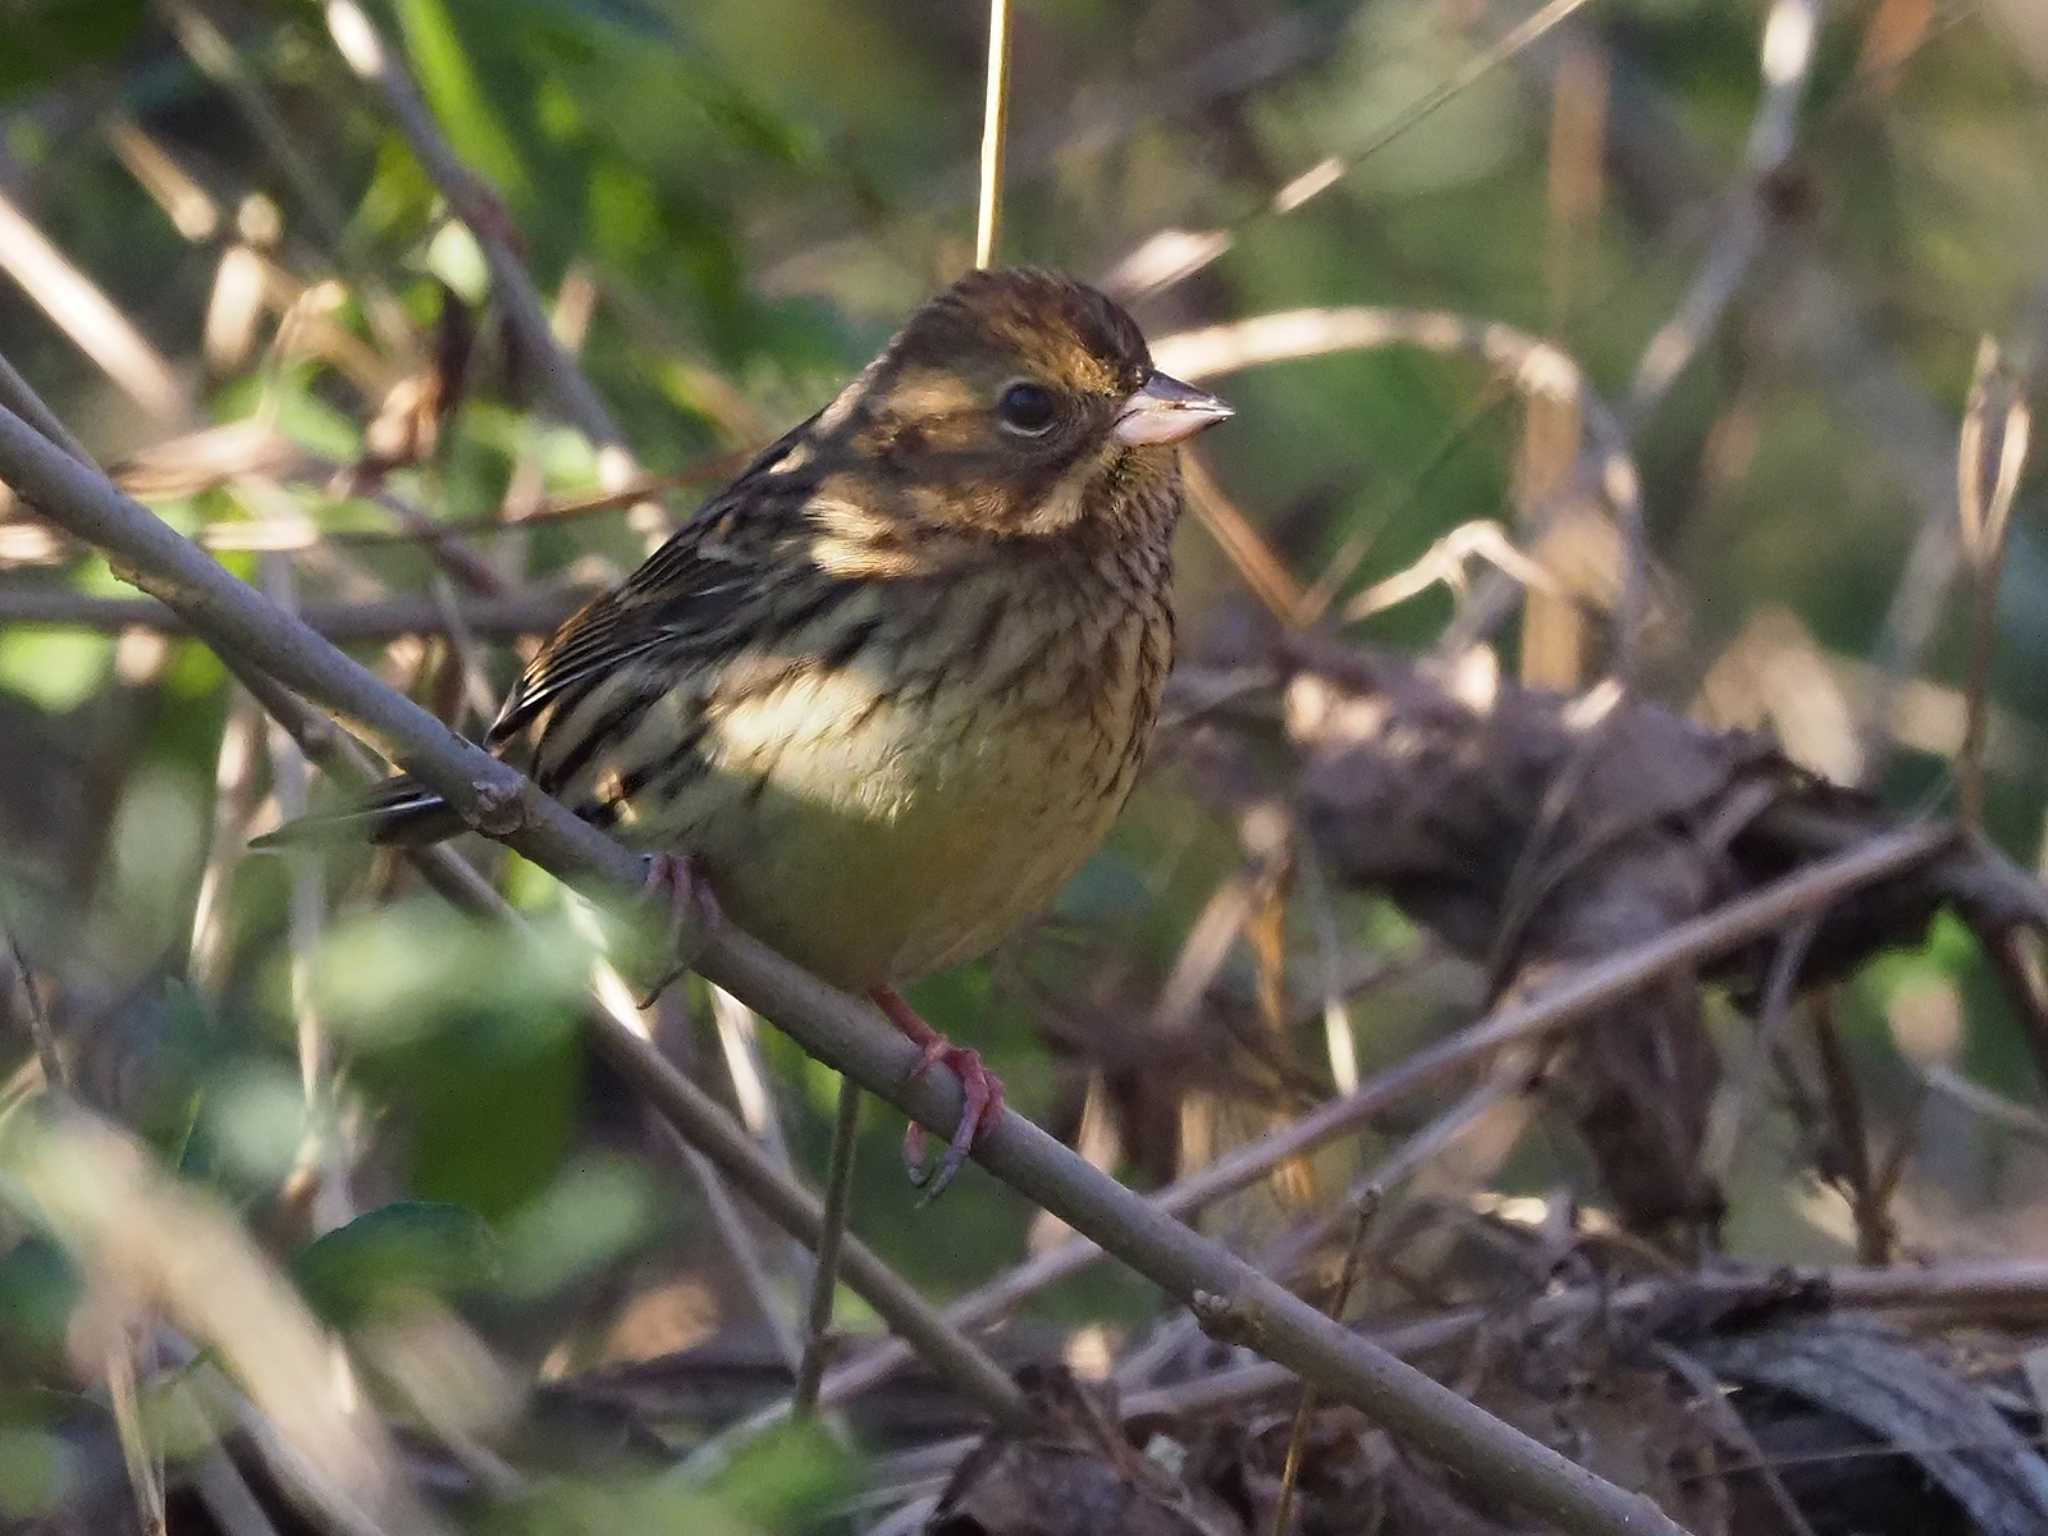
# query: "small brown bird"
(887, 692)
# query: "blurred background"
(1774, 238)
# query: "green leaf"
(48, 39)
(591, 1215)
(39, 1289)
(408, 1247)
(786, 1478)
(643, 22)
(38, 1474)
(57, 669)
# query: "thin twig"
(1990, 457)
(1732, 1133)
(537, 611)
(1443, 563)
(1538, 368)
(1284, 1257)
(228, 1497)
(56, 1070)
(1508, 1077)
(1367, 1206)
(995, 134)
(2027, 1123)
(19, 396)
(2015, 956)
(1790, 37)
(1722, 1417)
(1851, 1135)
(234, 805)
(1567, 1000)
(825, 1277)
(1203, 247)
(319, 1173)
(740, 1245)
(496, 798)
(739, 1042)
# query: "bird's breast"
(901, 808)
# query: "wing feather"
(690, 596)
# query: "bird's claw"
(678, 882)
(983, 1093)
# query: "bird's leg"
(982, 1088)
(678, 882)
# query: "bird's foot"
(982, 1089)
(678, 883)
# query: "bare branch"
(1569, 999)
(1791, 33)
(534, 612)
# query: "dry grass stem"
(149, 1242)
(995, 134)
(78, 308)
(1990, 460)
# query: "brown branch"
(1851, 1136)
(1565, 1002)
(533, 612)
(494, 797)
(1791, 31)
(1987, 1290)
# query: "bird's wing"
(689, 594)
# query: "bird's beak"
(1166, 411)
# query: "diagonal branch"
(496, 798)
(535, 611)
(366, 52)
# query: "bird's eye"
(1028, 409)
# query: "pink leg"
(677, 881)
(982, 1088)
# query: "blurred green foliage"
(759, 190)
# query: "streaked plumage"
(891, 687)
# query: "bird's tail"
(401, 810)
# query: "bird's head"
(1017, 403)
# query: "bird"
(880, 698)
